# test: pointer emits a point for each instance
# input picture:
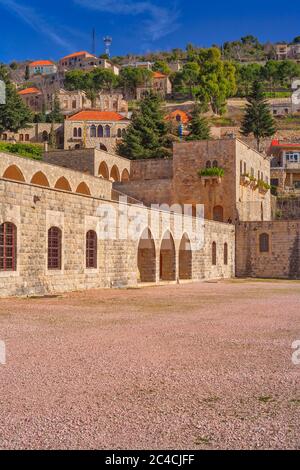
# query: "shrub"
(33, 151)
(214, 171)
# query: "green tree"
(147, 136)
(217, 80)
(161, 66)
(246, 75)
(55, 115)
(258, 119)
(14, 115)
(199, 127)
(132, 77)
(190, 76)
(92, 83)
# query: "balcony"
(292, 165)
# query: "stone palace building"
(84, 218)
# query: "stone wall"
(154, 191)
(43, 174)
(36, 133)
(238, 202)
(93, 161)
(151, 169)
(282, 260)
(34, 209)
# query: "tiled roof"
(77, 54)
(40, 63)
(29, 91)
(184, 117)
(158, 75)
(276, 143)
(94, 115)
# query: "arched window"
(208, 164)
(214, 254)
(123, 133)
(93, 131)
(215, 163)
(21, 137)
(119, 133)
(264, 243)
(79, 132)
(75, 133)
(45, 136)
(54, 248)
(8, 247)
(107, 131)
(91, 250)
(225, 254)
(27, 137)
(100, 131)
(4, 136)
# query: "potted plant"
(214, 173)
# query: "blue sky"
(36, 29)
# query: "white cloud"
(160, 21)
(29, 16)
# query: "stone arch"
(40, 179)
(103, 171)
(167, 269)
(83, 188)
(146, 257)
(125, 175)
(185, 258)
(115, 174)
(14, 173)
(218, 214)
(63, 184)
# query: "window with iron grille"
(91, 250)
(54, 248)
(8, 247)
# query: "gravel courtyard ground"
(196, 366)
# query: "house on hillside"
(94, 129)
(42, 67)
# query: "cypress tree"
(198, 127)
(147, 135)
(258, 119)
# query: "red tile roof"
(276, 143)
(29, 91)
(38, 63)
(184, 117)
(94, 115)
(77, 54)
(158, 75)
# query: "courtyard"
(192, 366)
